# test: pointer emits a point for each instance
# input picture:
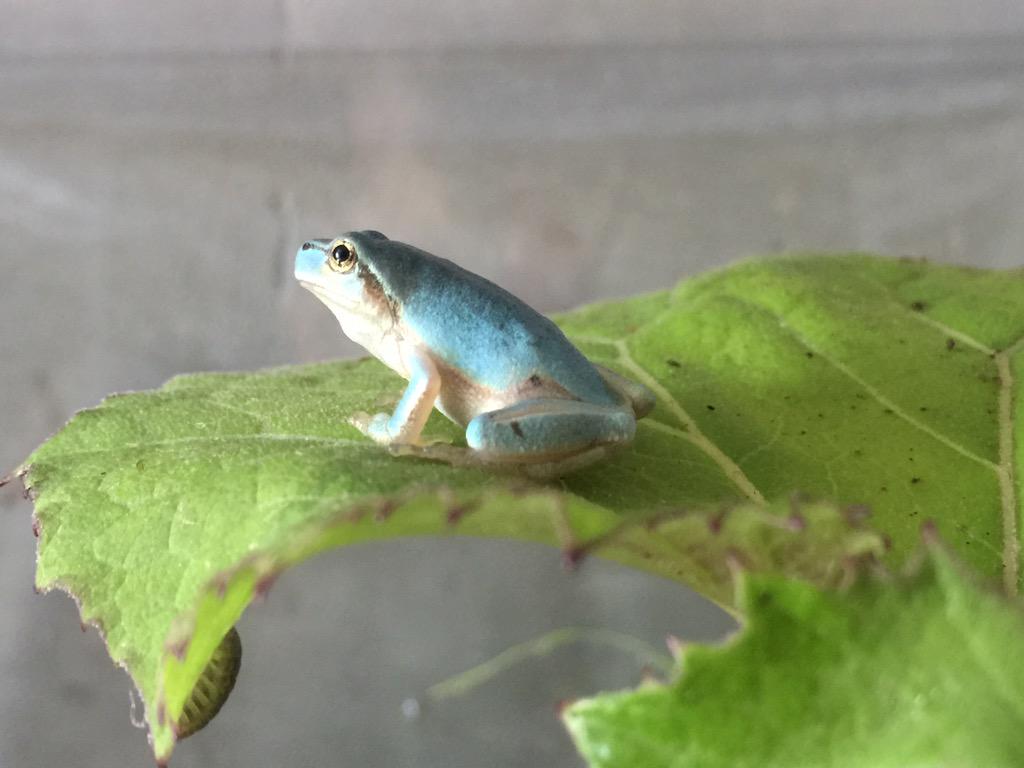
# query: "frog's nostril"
(307, 246)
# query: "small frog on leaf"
(526, 396)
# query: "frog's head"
(340, 272)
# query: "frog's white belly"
(383, 341)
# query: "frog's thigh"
(639, 397)
(544, 430)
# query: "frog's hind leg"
(549, 437)
(639, 397)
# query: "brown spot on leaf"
(573, 556)
(221, 585)
(456, 512)
(178, 649)
(856, 514)
(264, 585)
(716, 521)
(384, 510)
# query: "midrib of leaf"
(1005, 470)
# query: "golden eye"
(343, 257)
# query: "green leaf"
(925, 670)
(164, 512)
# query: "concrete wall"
(159, 163)
(34, 28)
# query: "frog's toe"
(373, 426)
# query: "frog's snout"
(308, 260)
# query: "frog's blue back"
(479, 328)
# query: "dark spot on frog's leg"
(918, 306)
(673, 363)
(516, 428)
(711, 407)
(809, 354)
(951, 343)
(915, 480)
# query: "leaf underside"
(863, 380)
(924, 670)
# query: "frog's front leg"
(403, 427)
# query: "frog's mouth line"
(331, 302)
(315, 289)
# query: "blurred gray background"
(160, 162)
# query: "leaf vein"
(869, 388)
(200, 439)
(692, 431)
(1005, 472)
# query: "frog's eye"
(343, 257)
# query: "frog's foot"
(458, 456)
(639, 397)
(549, 470)
(437, 450)
(374, 426)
